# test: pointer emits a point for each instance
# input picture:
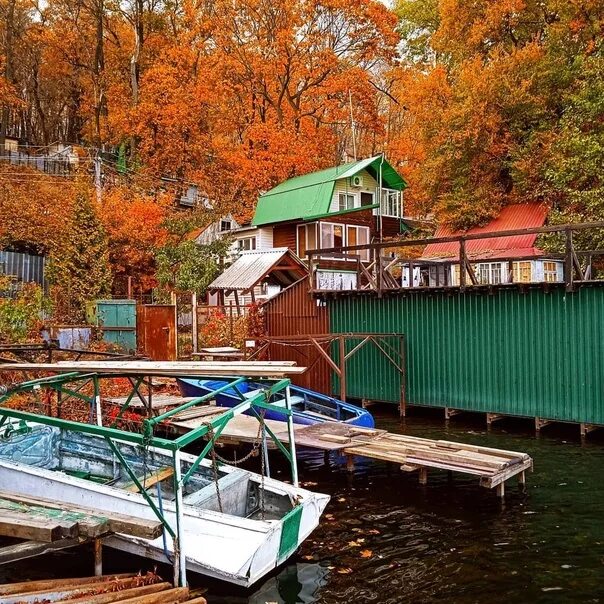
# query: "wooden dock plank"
(492, 466)
(274, 369)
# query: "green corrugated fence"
(532, 353)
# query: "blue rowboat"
(309, 407)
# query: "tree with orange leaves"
(134, 223)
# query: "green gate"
(118, 321)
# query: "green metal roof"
(307, 196)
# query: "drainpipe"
(380, 197)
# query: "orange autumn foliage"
(134, 225)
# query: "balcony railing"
(396, 266)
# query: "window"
(340, 235)
(489, 273)
(225, 225)
(249, 243)
(550, 271)
(346, 201)
(307, 238)
(522, 272)
(391, 204)
(358, 235)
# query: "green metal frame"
(259, 401)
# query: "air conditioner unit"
(356, 181)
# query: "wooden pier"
(492, 467)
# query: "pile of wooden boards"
(44, 520)
(126, 589)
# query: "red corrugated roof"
(512, 217)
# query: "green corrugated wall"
(528, 354)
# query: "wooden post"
(98, 558)
(462, 264)
(568, 261)
(342, 363)
(423, 475)
(129, 287)
(403, 372)
(350, 463)
(522, 479)
(194, 326)
(501, 490)
(180, 558)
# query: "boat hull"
(236, 549)
(194, 387)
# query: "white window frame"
(550, 273)
(306, 228)
(225, 222)
(364, 253)
(386, 204)
(490, 269)
(348, 195)
(253, 244)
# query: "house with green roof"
(350, 204)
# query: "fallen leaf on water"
(344, 571)
(366, 553)
(328, 516)
(309, 484)
(373, 532)
(308, 557)
(341, 499)
(353, 544)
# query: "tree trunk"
(9, 72)
(99, 69)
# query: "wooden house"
(351, 204)
(496, 260)
(244, 237)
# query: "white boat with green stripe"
(218, 520)
(237, 528)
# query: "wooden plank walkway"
(266, 369)
(492, 467)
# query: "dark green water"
(387, 539)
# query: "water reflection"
(296, 584)
(384, 538)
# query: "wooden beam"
(23, 525)
(457, 238)
(117, 523)
(150, 480)
(46, 584)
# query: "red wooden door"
(156, 331)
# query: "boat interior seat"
(206, 494)
(295, 400)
